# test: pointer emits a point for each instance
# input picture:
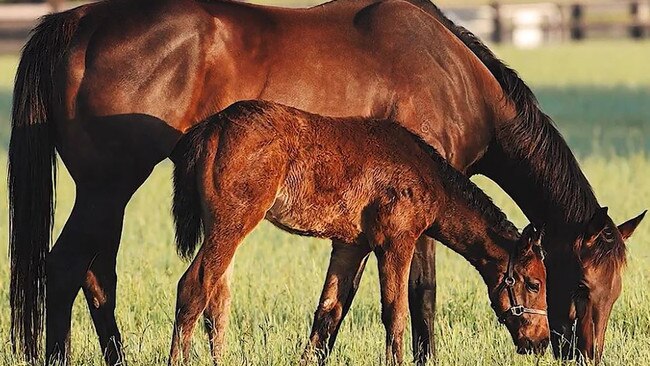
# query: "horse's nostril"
(524, 346)
(541, 346)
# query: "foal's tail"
(189, 156)
(32, 177)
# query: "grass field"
(599, 93)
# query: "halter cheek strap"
(515, 309)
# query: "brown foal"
(367, 184)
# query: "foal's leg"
(341, 283)
(421, 295)
(422, 299)
(394, 259)
(232, 216)
(216, 314)
(204, 276)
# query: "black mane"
(532, 138)
(478, 201)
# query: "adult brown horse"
(112, 86)
(367, 184)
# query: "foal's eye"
(532, 287)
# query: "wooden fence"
(526, 25)
(578, 21)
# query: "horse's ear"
(628, 227)
(595, 226)
(530, 238)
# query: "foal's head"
(519, 295)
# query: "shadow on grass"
(593, 120)
(601, 121)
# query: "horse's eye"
(532, 286)
(581, 292)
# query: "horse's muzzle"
(528, 346)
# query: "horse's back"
(387, 59)
(169, 64)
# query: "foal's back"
(316, 175)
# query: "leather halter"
(508, 283)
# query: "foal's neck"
(469, 223)
(482, 241)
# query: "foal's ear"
(595, 226)
(628, 227)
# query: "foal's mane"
(477, 200)
(532, 139)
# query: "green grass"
(597, 92)
(278, 277)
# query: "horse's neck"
(533, 164)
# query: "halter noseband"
(515, 309)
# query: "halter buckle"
(518, 310)
(509, 281)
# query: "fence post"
(497, 26)
(577, 26)
(636, 29)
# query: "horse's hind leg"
(94, 225)
(216, 314)
(422, 299)
(107, 169)
(394, 260)
(341, 283)
(99, 289)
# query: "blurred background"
(523, 23)
(589, 64)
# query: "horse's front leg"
(422, 299)
(394, 260)
(346, 266)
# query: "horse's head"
(584, 284)
(519, 298)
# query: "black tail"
(32, 178)
(188, 154)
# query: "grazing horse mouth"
(565, 342)
(526, 346)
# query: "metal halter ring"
(508, 284)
